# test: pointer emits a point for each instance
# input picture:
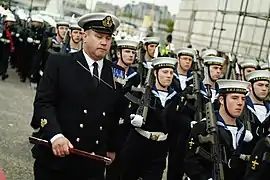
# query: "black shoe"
(4, 77)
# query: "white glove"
(33, 85)
(192, 123)
(17, 35)
(30, 40)
(37, 41)
(136, 120)
(248, 136)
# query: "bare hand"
(111, 155)
(61, 146)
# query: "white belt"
(155, 136)
(37, 41)
(41, 72)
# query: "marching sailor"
(145, 149)
(231, 134)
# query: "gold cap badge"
(107, 21)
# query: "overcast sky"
(172, 4)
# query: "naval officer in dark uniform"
(75, 105)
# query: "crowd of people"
(202, 114)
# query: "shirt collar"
(90, 61)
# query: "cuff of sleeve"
(55, 137)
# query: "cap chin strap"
(159, 80)
(121, 58)
(209, 74)
(254, 93)
(148, 52)
(225, 105)
(244, 74)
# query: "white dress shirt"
(90, 63)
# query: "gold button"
(81, 125)
(78, 139)
(85, 111)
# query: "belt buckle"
(154, 137)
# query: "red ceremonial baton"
(2, 175)
(35, 140)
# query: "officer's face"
(96, 45)
(215, 72)
(10, 23)
(151, 49)
(165, 76)
(128, 55)
(185, 62)
(261, 89)
(36, 24)
(62, 31)
(235, 103)
(76, 36)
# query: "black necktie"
(95, 74)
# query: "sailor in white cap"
(31, 39)
(212, 72)
(75, 42)
(257, 109)
(177, 145)
(126, 53)
(49, 45)
(209, 52)
(77, 105)
(150, 45)
(231, 134)
(146, 54)
(7, 43)
(61, 30)
(248, 65)
(185, 59)
(147, 142)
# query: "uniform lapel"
(83, 73)
(107, 75)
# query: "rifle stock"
(212, 137)
(146, 97)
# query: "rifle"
(233, 71)
(197, 89)
(140, 63)
(144, 102)
(212, 137)
(65, 43)
(1, 25)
